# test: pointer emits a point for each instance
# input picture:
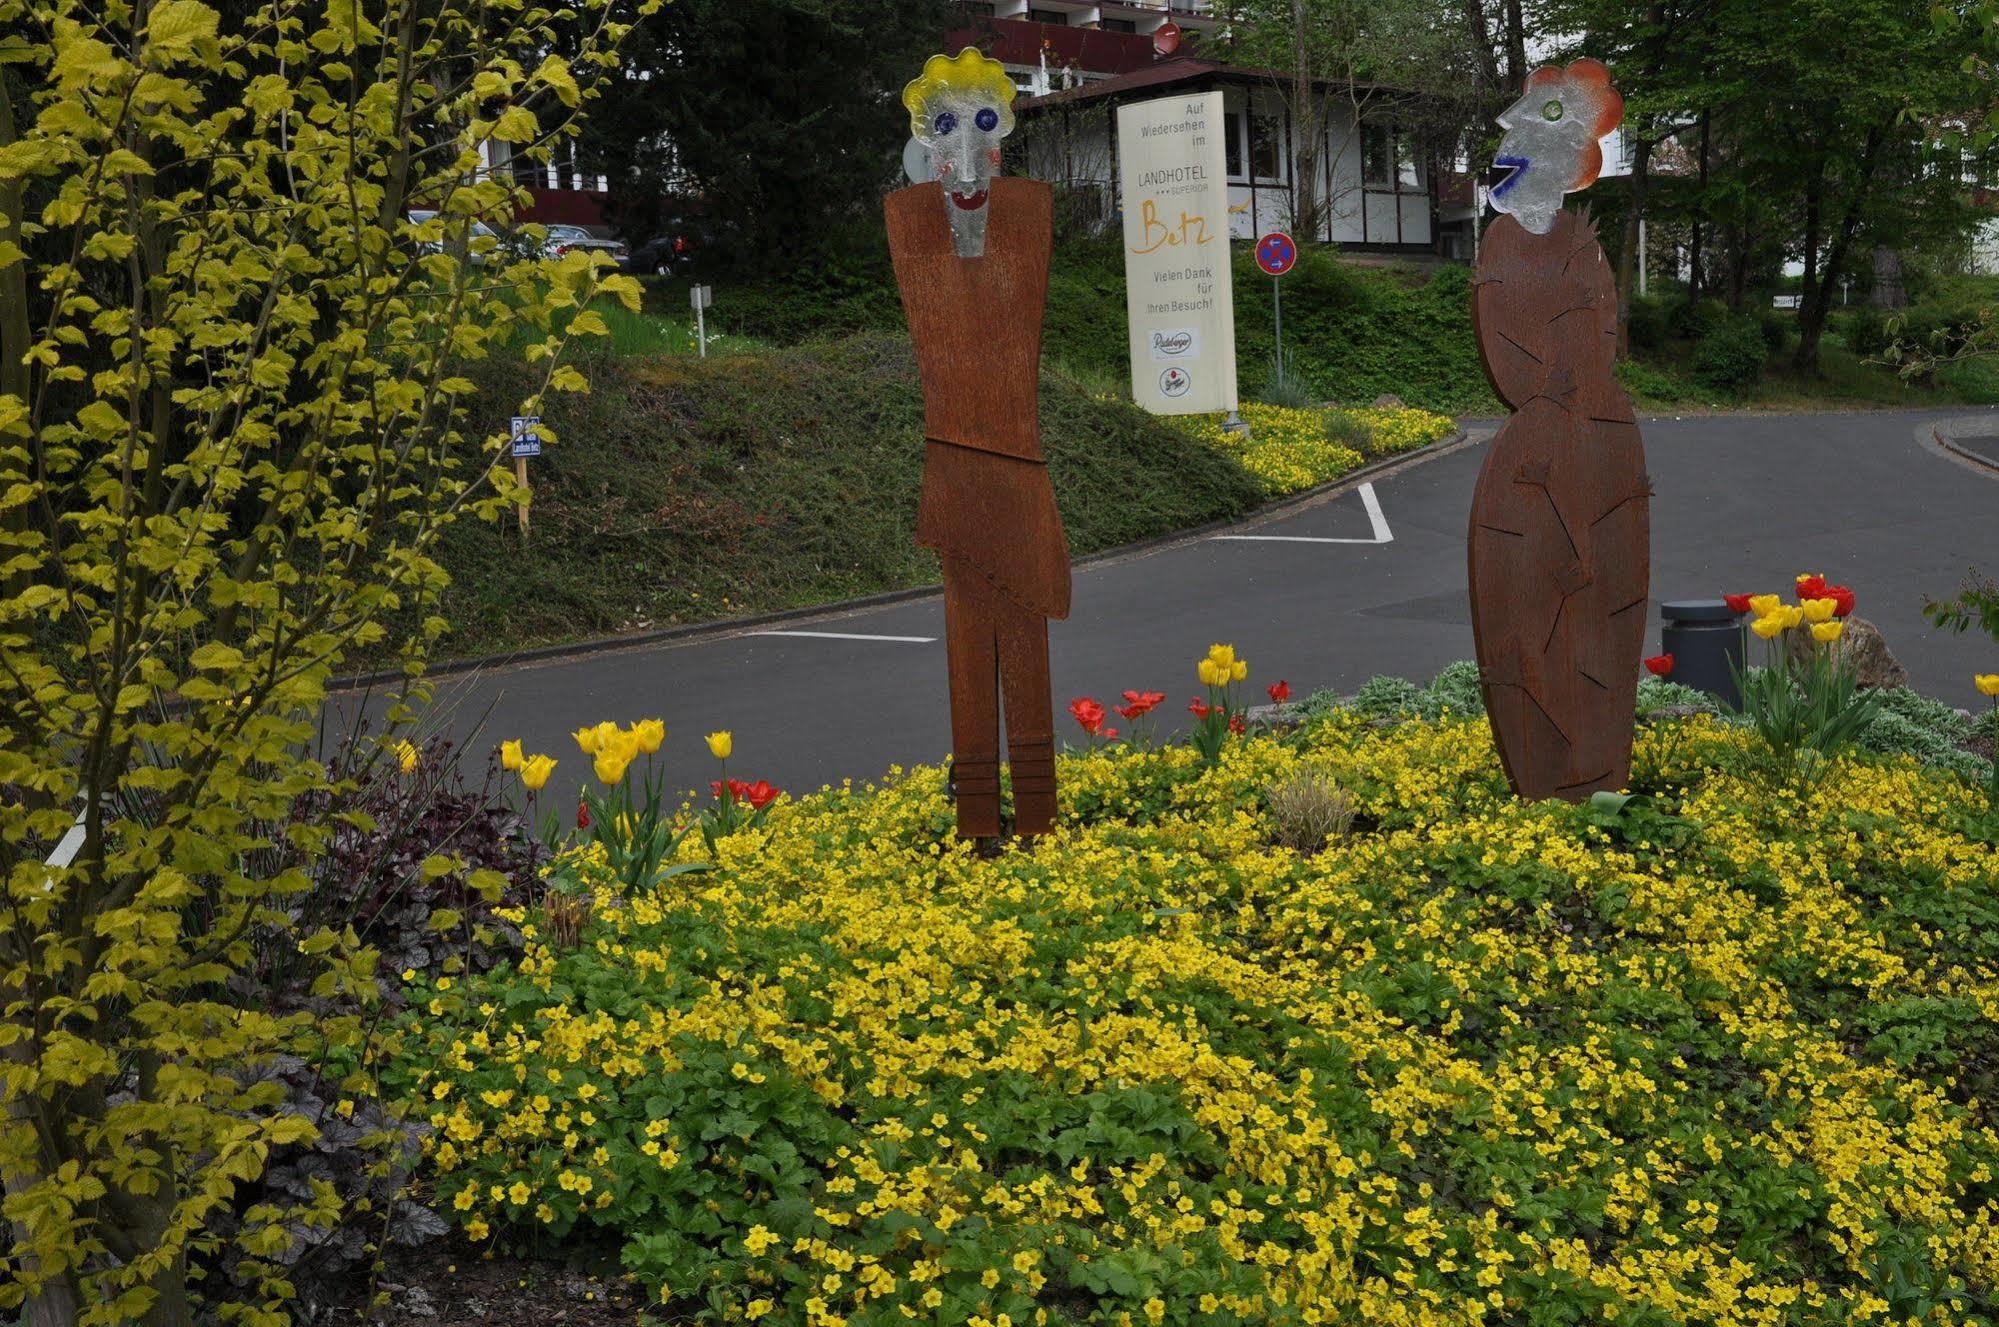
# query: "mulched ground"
(454, 1284)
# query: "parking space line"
(1375, 519)
(847, 635)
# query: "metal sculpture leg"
(972, 644)
(1030, 717)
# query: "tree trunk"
(1816, 306)
(1304, 180)
(1694, 243)
(1516, 46)
(1482, 47)
(1627, 256)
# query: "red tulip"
(1842, 599)
(1128, 712)
(582, 815)
(1811, 587)
(1198, 708)
(1280, 691)
(1088, 713)
(1236, 725)
(1660, 665)
(1108, 734)
(1737, 603)
(1137, 703)
(759, 794)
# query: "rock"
(1865, 649)
(1388, 401)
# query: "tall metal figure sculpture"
(971, 253)
(1560, 545)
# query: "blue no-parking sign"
(1276, 254)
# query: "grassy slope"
(685, 490)
(1352, 332)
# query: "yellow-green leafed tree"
(230, 430)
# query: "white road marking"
(847, 635)
(1379, 522)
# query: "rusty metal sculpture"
(971, 260)
(1560, 543)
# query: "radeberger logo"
(1175, 343)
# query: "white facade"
(1373, 183)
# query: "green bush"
(1865, 330)
(1646, 322)
(1730, 358)
(1777, 327)
(1650, 383)
(1695, 320)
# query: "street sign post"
(1276, 254)
(701, 297)
(526, 434)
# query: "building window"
(1056, 16)
(1266, 147)
(977, 8)
(1389, 159)
(1119, 25)
(1232, 143)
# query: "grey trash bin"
(1704, 636)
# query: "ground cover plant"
(1720, 1053)
(1292, 449)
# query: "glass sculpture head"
(1551, 140)
(960, 109)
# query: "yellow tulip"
(650, 733)
(1987, 684)
(1769, 627)
(1208, 672)
(1819, 610)
(1793, 616)
(1825, 633)
(1764, 604)
(1239, 671)
(510, 755)
(721, 745)
(535, 771)
(586, 740)
(1224, 655)
(610, 766)
(407, 756)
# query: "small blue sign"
(527, 435)
(1275, 253)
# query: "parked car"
(663, 255)
(564, 238)
(506, 244)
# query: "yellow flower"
(1223, 655)
(721, 745)
(1825, 633)
(1239, 670)
(407, 756)
(1819, 610)
(1987, 684)
(610, 766)
(586, 740)
(476, 1230)
(510, 755)
(1790, 615)
(1769, 626)
(1210, 673)
(535, 772)
(650, 733)
(520, 1194)
(1764, 604)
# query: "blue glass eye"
(987, 119)
(945, 122)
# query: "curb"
(1950, 444)
(695, 631)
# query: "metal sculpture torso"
(987, 507)
(1560, 534)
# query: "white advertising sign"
(1176, 254)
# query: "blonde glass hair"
(968, 73)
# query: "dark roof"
(1169, 73)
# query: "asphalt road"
(1743, 503)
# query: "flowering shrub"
(1722, 1056)
(1806, 699)
(1291, 449)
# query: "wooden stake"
(521, 474)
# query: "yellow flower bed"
(1724, 1057)
(1291, 450)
